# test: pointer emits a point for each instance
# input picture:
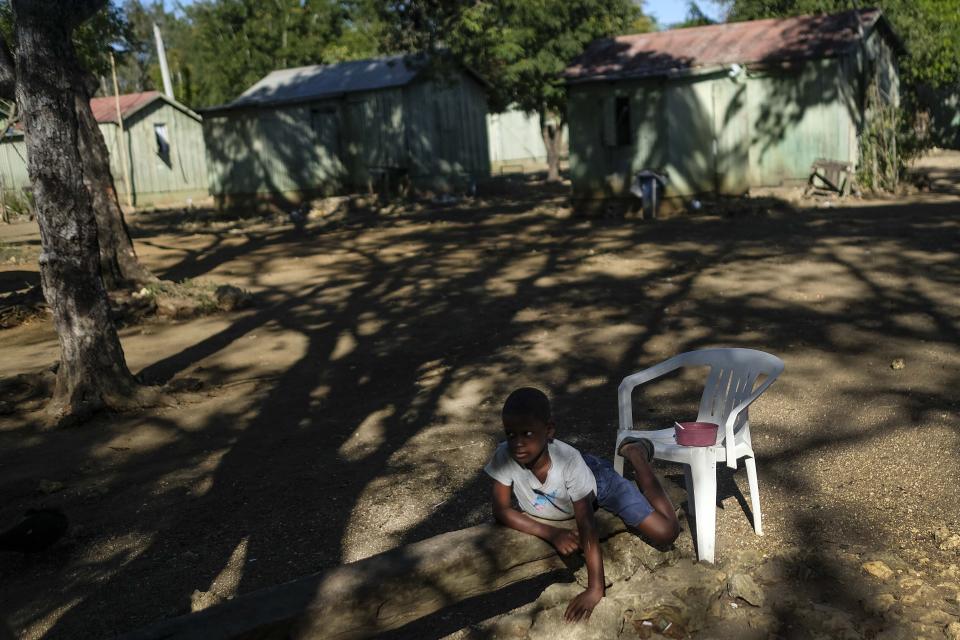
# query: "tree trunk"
(93, 372)
(552, 134)
(119, 265)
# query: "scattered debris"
(898, 364)
(878, 569)
(742, 586)
(230, 298)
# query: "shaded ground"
(353, 408)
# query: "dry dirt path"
(352, 409)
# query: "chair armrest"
(729, 441)
(635, 380)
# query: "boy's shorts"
(617, 494)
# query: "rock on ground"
(837, 592)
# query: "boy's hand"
(566, 541)
(582, 606)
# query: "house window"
(621, 114)
(163, 140)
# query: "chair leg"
(703, 468)
(751, 465)
(618, 463)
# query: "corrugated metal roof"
(327, 80)
(755, 42)
(105, 109)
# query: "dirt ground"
(352, 408)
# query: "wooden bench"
(833, 175)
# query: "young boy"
(553, 481)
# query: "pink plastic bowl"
(696, 434)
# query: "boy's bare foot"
(633, 445)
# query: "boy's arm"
(582, 606)
(564, 540)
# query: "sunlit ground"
(352, 408)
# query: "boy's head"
(527, 423)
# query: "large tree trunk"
(119, 265)
(92, 372)
(552, 134)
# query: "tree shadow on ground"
(414, 329)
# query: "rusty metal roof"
(105, 109)
(756, 42)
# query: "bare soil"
(352, 408)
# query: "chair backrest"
(731, 383)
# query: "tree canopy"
(522, 46)
(218, 48)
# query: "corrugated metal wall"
(375, 141)
(172, 178)
(516, 142)
(13, 164)
(278, 150)
(446, 129)
(797, 118)
(717, 133)
(160, 178)
(434, 134)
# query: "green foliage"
(519, 46)
(234, 43)
(695, 17)
(216, 49)
(18, 203)
(891, 138)
(203, 292)
(94, 39)
(879, 168)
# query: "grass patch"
(12, 253)
(201, 292)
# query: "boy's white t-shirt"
(569, 479)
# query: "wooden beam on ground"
(379, 593)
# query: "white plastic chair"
(729, 391)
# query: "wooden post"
(3, 185)
(125, 160)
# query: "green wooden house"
(725, 108)
(516, 143)
(359, 125)
(160, 151)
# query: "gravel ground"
(352, 409)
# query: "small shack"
(164, 157)
(728, 107)
(516, 142)
(359, 125)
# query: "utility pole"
(162, 57)
(123, 139)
